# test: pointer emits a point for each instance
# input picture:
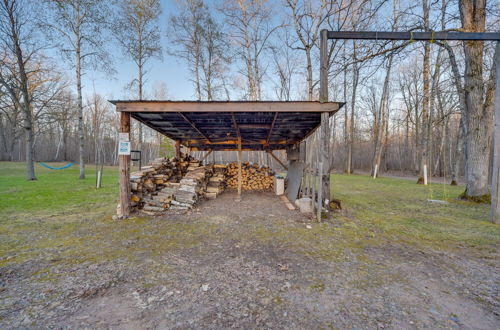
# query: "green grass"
(55, 190)
(61, 215)
(399, 209)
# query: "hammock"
(56, 168)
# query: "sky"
(170, 70)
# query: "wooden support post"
(313, 188)
(495, 185)
(320, 193)
(425, 175)
(239, 171)
(206, 155)
(124, 168)
(178, 149)
(325, 119)
(277, 159)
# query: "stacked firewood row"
(253, 177)
(217, 182)
(178, 184)
(152, 186)
(192, 186)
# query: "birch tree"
(250, 27)
(77, 27)
(136, 30)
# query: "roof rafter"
(194, 126)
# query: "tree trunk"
(355, 79)
(309, 75)
(81, 136)
(26, 100)
(140, 98)
(380, 123)
(479, 116)
(424, 144)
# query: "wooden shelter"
(223, 126)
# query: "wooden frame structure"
(225, 126)
(462, 36)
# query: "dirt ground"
(252, 264)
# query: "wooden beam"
(424, 36)
(124, 170)
(233, 106)
(325, 124)
(236, 127)
(495, 185)
(206, 155)
(178, 149)
(235, 142)
(271, 128)
(194, 126)
(277, 159)
(254, 126)
(239, 171)
(319, 208)
(233, 149)
(323, 62)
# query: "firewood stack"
(192, 186)
(217, 182)
(253, 177)
(152, 186)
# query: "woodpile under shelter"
(226, 126)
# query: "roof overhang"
(219, 125)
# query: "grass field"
(396, 208)
(52, 230)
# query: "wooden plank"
(320, 193)
(239, 170)
(178, 149)
(288, 204)
(235, 142)
(294, 177)
(425, 36)
(124, 170)
(271, 128)
(325, 122)
(232, 106)
(206, 155)
(236, 128)
(323, 73)
(254, 126)
(277, 159)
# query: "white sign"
(124, 148)
(124, 137)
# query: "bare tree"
(18, 45)
(185, 32)
(250, 28)
(136, 30)
(77, 27)
(308, 18)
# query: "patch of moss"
(318, 286)
(482, 199)
(277, 300)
